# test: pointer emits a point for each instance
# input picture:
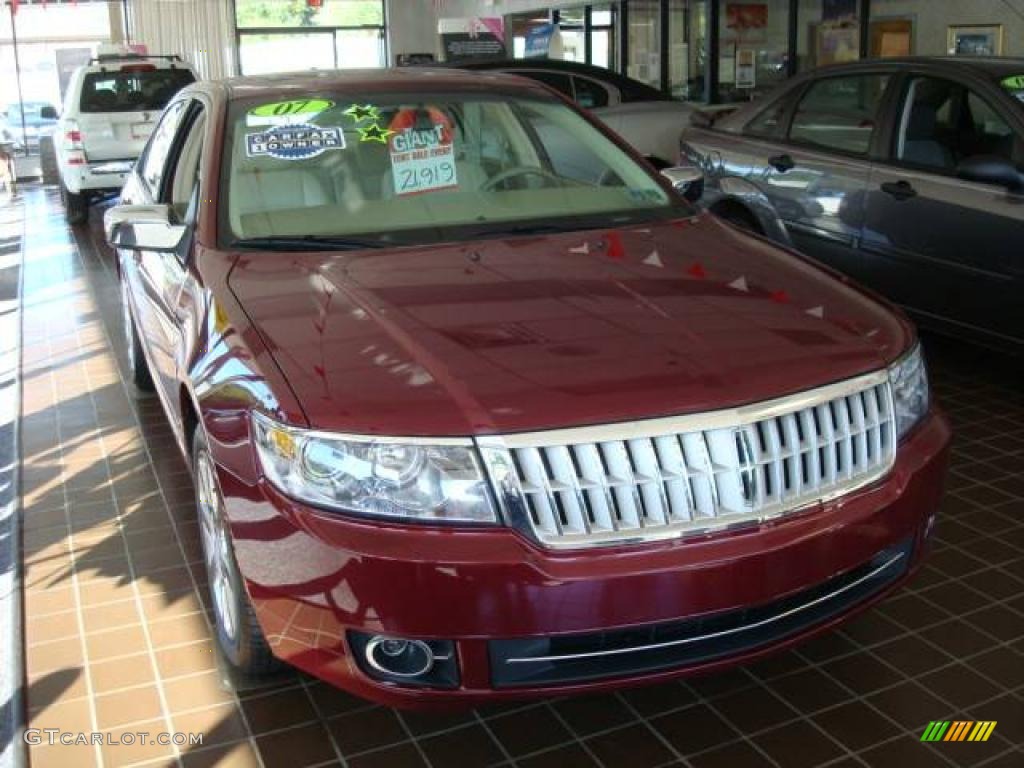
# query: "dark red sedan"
(479, 407)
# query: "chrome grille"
(672, 477)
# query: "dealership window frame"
(715, 21)
(10, 37)
(326, 30)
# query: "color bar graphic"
(958, 730)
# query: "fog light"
(400, 658)
(391, 647)
(426, 663)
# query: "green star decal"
(360, 112)
(375, 133)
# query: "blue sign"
(293, 142)
(538, 41)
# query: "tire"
(238, 632)
(48, 161)
(138, 368)
(76, 207)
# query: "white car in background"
(645, 117)
(111, 107)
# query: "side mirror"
(990, 169)
(143, 228)
(48, 113)
(688, 181)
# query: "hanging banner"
(472, 38)
(538, 41)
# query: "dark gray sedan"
(905, 174)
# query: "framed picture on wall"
(837, 44)
(975, 40)
(891, 37)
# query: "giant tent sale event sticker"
(422, 148)
(293, 142)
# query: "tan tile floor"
(118, 632)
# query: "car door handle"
(781, 163)
(900, 190)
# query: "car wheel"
(138, 368)
(76, 207)
(238, 632)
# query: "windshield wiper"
(530, 229)
(305, 243)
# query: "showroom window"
(753, 49)
(275, 36)
(588, 33)
(40, 46)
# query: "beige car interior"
(271, 196)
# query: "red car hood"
(554, 331)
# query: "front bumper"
(99, 176)
(313, 577)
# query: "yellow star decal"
(375, 133)
(360, 112)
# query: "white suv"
(111, 107)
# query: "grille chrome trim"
(886, 565)
(678, 645)
(694, 474)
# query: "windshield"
(1015, 85)
(132, 91)
(430, 167)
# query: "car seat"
(919, 144)
(273, 186)
(103, 101)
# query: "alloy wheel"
(129, 329)
(217, 548)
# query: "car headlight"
(910, 394)
(422, 480)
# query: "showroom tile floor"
(118, 637)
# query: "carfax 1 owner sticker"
(422, 146)
(290, 134)
(293, 142)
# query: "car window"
(989, 133)
(561, 83)
(943, 122)
(154, 159)
(131, 90)
(633, 90)
(424, 167)
(568, 157)
(589, 94)
(840, 112)
(1014, 85)
(187, 167)
(769, 120)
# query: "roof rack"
(105, 57)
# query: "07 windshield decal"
(294, 112)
